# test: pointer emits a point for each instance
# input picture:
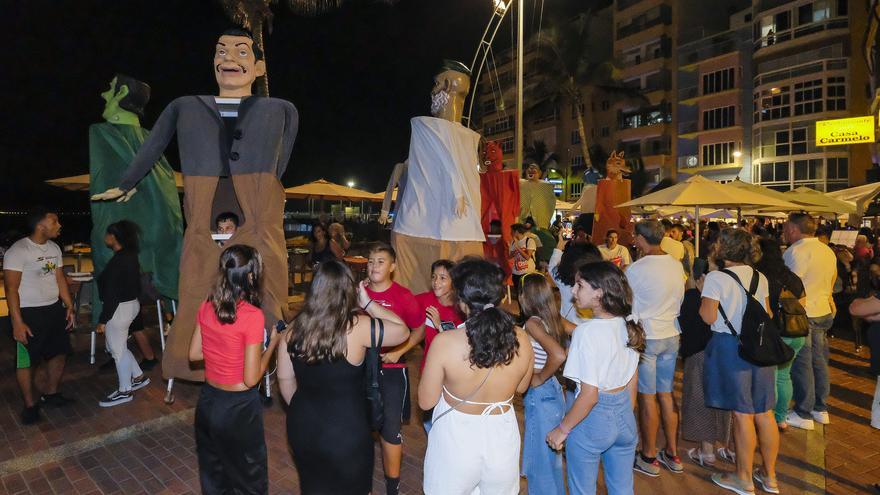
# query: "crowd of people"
(584, 359)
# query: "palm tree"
(256, 16)
(567, 62)
(539, 153)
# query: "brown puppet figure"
(611, 191)
(234, 148)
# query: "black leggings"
(230, 442)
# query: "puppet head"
(451, 86)
(125, 100)
(616, 166)
(533, 172)
(492, 156)
(238, 62)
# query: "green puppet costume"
(156, 210)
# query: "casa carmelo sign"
(845, 131)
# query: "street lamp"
(350, 183)
(737, 154)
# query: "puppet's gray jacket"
(262, 141)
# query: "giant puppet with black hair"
(234, 148)
(113, 144)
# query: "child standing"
(603, 359)
(544, 402)
(393, 379)
(522, 252)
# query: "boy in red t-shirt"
(393, 379)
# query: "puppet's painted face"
(112, 97)
(533, 172)
(235, 65)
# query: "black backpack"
(373, 363)
(759, 339)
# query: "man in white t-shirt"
(35, 288)
(614, 252)
(657, 282)
(816, 265)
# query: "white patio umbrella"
(699, 191)
(81, 182)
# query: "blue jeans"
(607, 433)
(544, 408)
(809, 373)
(657, 365)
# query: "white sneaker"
(798, 422)
(821, 417)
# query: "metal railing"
(800, 31)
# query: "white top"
(598, 355)
(443, 165)
(537, 350)
(657, 282)
(672, 247)
(619, 255)
(724, 289)
(37, 264)
(816, 265)
(522, 265)
(567, 309)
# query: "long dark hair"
(126, 233)
(574, 255)
(241, 269)
(536, 298)
(771, 263)
(490, 330)
(616, 297)
(318, 333)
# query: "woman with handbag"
(729, 381)
(787, 299)
(322, 377)
(470, 378)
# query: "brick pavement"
(147, 447)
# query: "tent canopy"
(862, 196)
(81, 182)
(323, 189)
(700, 191)
(826, 204)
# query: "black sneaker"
(30, 415)
(148, 364)
(140, 382)
(55, 400)
(116, 398)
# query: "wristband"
(563, 429)
(368, 304)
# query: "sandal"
(768, 485)
(700, 458)
(727, 455)
(732, 483)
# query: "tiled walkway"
(147, 447)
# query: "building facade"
(807, 67)
(714, 102)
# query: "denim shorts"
(657, 365)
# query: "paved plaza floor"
(147, 447)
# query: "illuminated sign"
(845, 131)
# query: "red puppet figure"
(499, 192)
(612, 191)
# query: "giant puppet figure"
(234, 148)
(536, 197)
(113, 145)
(612, 191)
(438, 212)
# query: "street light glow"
(737, 154)
(500, 5)
(350, 183)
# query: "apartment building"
(807, 67)
(714, 118)
(644, 47)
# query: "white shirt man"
(614, 252)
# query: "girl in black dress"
(321, 376)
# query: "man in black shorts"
(35, 288)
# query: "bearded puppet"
(113, 144)
(612, 191)
(234, 148)
(438, 212)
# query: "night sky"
(356, 75)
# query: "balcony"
(625, 4)
(802, 70)
(662, 14)
(716, 46)
(799, 32)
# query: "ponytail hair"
(616, 297)
(238, 279)
(491, 331)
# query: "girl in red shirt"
(229, 416)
